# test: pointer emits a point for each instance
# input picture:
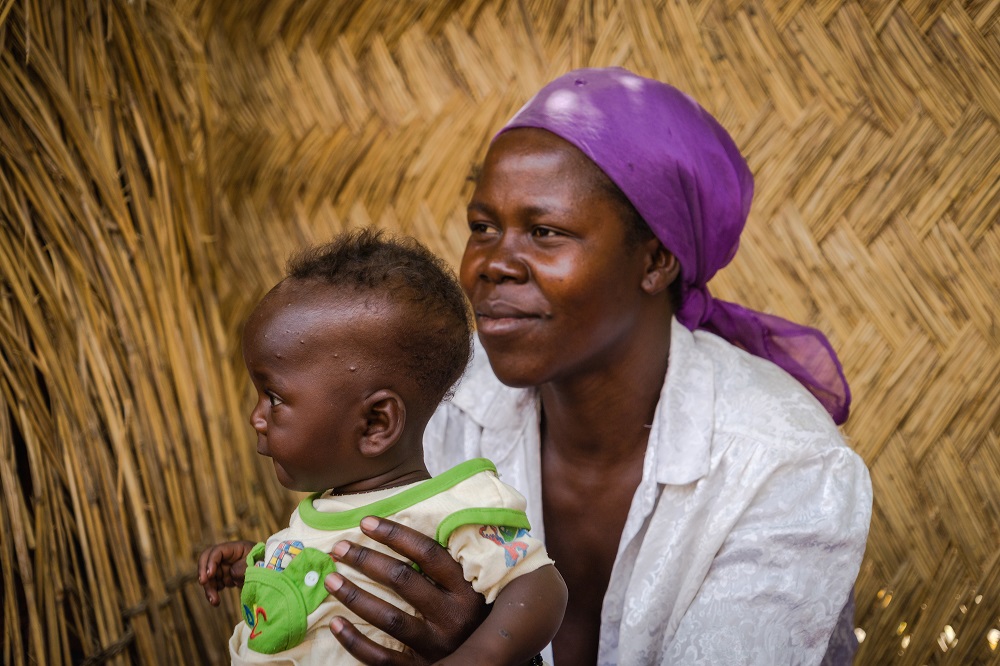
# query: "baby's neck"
(391, 479)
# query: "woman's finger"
(449, 607)
(433, 559)
(400, 625)
(366, 650)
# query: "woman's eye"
(544, 232)
(481, 227)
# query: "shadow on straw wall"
(119, 355)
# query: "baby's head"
(350, 354)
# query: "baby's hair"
(437, 342)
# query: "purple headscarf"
(686, 177)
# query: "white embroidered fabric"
(746, 533)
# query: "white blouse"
(747, 530)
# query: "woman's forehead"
(540, 152)
(531, 140)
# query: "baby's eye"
(273, 399)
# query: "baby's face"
(306, 356)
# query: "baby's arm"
(525, 617)
(221, 566)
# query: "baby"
(350, 355)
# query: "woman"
(678, 453)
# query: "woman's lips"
(503, 325)
(497, 318)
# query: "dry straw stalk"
(160, 159)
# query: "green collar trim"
(343, 520)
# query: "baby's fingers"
(208, 563)
(211, 588)
(238, 572)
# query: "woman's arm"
(525, 618)
(777, 585)
(451, 610)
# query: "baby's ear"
(385, 414)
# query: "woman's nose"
(505, 261)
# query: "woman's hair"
(434, 331)
(636, 229)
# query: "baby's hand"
(223, 565)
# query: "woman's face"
(555, 287)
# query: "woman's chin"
(514, 373)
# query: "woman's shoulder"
(756, 399)
(769, 431)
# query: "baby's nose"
(257, 420)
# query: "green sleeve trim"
(347, 519)
(480, 516)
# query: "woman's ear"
(662, 267)
(385, 416)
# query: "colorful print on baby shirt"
(251, 616)
(507, 538)
(283, 555)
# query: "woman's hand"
(450, 609)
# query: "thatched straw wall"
(158, 160)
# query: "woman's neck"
(605, 416)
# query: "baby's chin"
(286, 479)
(297, 485)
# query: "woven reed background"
(159, 160)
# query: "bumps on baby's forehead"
(391, 295)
